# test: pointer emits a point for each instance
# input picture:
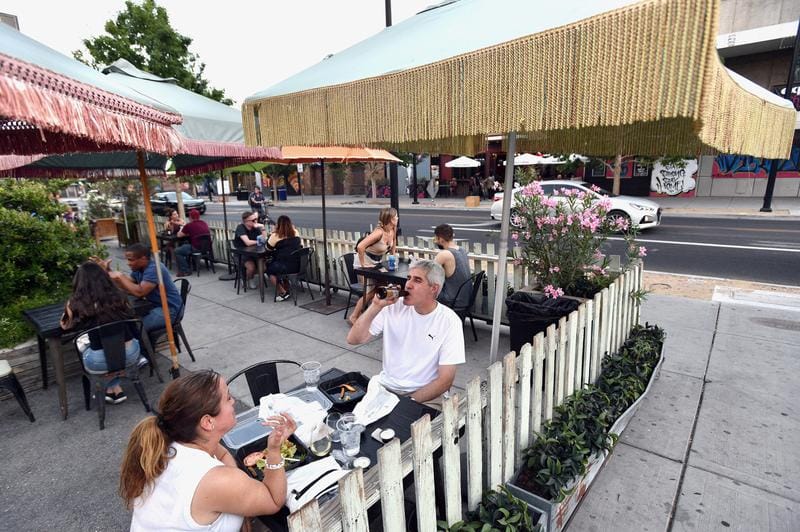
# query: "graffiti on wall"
(744, 166)
(673, 180)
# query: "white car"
(641, 212)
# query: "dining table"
(46, 321)
(260, 254)
(169, 238)
(400, 419)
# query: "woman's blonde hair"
(386, 216)
(184, 402)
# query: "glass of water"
(350, 434)
(311, 373)
(331, 420)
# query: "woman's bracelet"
(279, 465)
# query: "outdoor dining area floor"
(63, 474)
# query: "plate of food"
(346, 390)
(292, 451)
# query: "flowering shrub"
(561, 240)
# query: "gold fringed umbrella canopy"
(643, 78)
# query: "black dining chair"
(204, 252)
(346, 263)
(262, 378)
(112, 338)
(9, 381)
(296, 279)
(177, 327)
(464, 312)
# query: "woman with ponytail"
(177, 476)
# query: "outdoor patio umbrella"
(462, 162)
(50, 103)
(566, 79)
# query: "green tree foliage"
(143, 35)
(40, 253)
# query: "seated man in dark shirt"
(247, 234)
(143, 282)
(193, 231)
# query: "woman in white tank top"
(177, 476)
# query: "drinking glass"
(311, 373)
(331, 420)
(321, 440)
(350, 434)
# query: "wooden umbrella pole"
(502, 253)
(151, 226)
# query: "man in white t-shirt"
(423, 341)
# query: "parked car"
(162, 201)
(641, 212)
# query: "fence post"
(474, 428)
(524, 409)
(561, 374)
(495, 422)
(353, 502)
(538, 368)
(451, 460)
(391, 486)
(572, 348)
(423, 473)
(588, 344)
(306, 518)
(509, 407)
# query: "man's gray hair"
(434, 272)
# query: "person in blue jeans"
(143, 282)
(96, 301)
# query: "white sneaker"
(252, 283)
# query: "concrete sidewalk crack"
(743, 483)
(648, 451)
(685, 462)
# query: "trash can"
(281, 193)
(530, 313)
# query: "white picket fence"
(521, 393)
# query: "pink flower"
(555, 269)
(532, 189)
(642, 251)
(620, 223)
(595, 188)
(553, 292)
(598, 255)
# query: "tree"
(142, 35)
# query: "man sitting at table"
(247, 234)
(455, 262)
(193, 231)
(423, 341)
(143, 282)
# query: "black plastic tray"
(260, 445)
(332, 388)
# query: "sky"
(247, 46)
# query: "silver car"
(640, 212)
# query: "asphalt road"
(763, 250)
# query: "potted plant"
(560, 239)
(565, 457)
(499, 511)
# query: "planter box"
(122, 236)
(472, 201)
(557, 514)
(104, 228)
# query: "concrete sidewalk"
(716, 445)
(716, 441)
(697, 206)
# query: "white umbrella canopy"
(526, 159)
(462, 162)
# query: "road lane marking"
(709, 245)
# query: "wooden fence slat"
(612, 306)
(494, 419)
(572, 348)
(550, 371)
(580, 369)
(509, 415)
(599, 302)
(524, 409)
(451, 460)
(306, 518)
(352, 502)
(561, 369)
(538, 380)
(391, 479)
(474, 448)
(423, 473)
(587, 343)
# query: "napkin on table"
(306, 415)
(377, 403)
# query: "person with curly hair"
(282, 244)
(176, 475)
(96, 301)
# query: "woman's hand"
(105, 264)
(283, 426)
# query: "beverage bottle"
(390, 291)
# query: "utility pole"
(774, 164)
(393, 182)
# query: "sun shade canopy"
(50, 103)
(643, 78)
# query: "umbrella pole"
(151, 226)
(125, 221)
(325, 240)
(502, 258)
(231, 275)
